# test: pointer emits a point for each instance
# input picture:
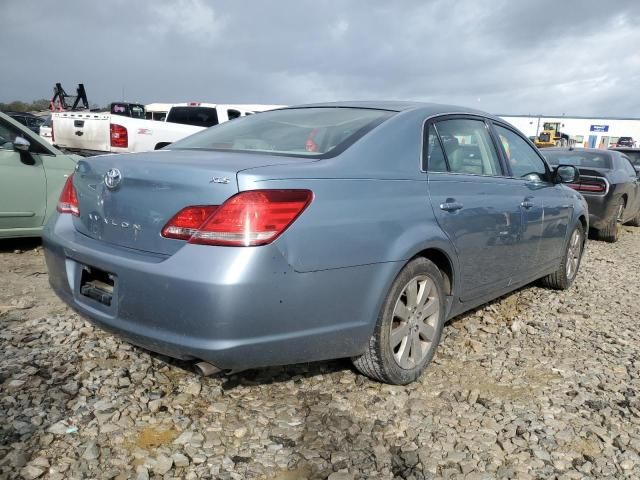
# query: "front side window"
(468, 147)
(303, 132)
(523, 159)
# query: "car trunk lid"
(126, 200)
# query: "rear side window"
(435, 156)
(468, 147)
(315, 131)
(523, 159)
(196, 116)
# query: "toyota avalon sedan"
(314, 232)
(610, 184)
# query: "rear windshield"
(577, 158)
(196, 116)
(315, 131)
(128, 110)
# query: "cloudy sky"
(578, 57)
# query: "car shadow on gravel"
(505, 307)
(10, 245)
(260, 376)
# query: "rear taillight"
(251, 218)
(589, 186)
(53, 136)
(187, 221)
(68, 202)
(119, 136)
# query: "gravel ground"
(540, 384)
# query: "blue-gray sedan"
(314, 232)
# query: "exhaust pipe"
(206, 369)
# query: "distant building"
(589, 132)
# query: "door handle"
(451, 206)
(527, 204)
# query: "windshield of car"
(313, 131)
(577, 158)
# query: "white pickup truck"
(92, 133)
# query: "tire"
(635, 221)
(564, 277)
(415, 310)
(611, 232)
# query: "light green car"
(32, 174)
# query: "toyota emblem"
(112, 178)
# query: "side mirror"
(21, 145)
(637, 169)
(567, 174)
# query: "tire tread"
(371, 363)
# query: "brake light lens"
(68, 202)
(589, 186)
(119, 136)
(53, 135)
(187, 221)
(251, 218)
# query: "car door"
(22, 182)
(474, 203)
(633, 202)
(545, 206)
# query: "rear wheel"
(611, 231)
(409, 326)
(563, 278)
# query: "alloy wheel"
(620, 213)
(573, 254)
(413, 327)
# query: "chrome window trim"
(423, 133)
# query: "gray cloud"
(573, 57)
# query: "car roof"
(400, 106)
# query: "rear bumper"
(236, 308)
(601, 210)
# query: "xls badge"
(112, 178)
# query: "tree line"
(34, 106)
(18, 106)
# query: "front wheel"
(563, 278)
(409, 326)
(635, 221)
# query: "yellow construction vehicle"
(551, 136)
